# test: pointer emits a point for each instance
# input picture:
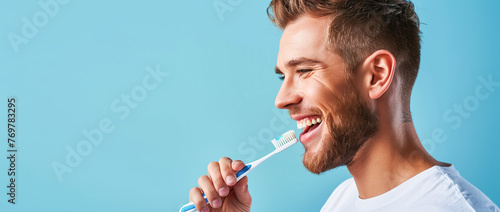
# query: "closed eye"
(303, 71)
(299, 71)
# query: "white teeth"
(307, 122)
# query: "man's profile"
(352, 64)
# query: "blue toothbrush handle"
(243, 171)
(190, 206)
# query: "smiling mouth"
(309, 125)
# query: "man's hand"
(221, 189)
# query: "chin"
(322, 157)
(331, 151)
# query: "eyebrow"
(298, 61)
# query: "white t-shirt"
(433, 190)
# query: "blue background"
(217, 100)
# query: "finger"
(197, 198)
(227, 171)
(242, 193)
(208, 188)
(215, 174)
(237, 165)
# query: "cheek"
(322, 93)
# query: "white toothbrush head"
(284, 141)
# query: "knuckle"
(203, 179)
(237, 163)
(193, 191)
(225, 159)
(213, 165)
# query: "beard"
(346, 133)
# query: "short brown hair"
(360, 27)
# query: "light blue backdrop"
(177, 84)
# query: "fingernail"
(216, 203)
(205, 209)
(223, 191)
(230, 180)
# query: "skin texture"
(325, 90)
(363, 125)
(380, 155)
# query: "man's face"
(316, 87)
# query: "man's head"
(338, 58)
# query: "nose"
(287, 95)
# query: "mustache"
(297, 109)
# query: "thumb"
(241, 192)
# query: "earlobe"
(381, 66)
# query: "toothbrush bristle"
(284, 139)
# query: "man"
(351, 64)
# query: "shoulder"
(443, 189)
(463, 192)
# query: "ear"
(379, 69)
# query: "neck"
(392, 156)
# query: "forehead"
(304, 37)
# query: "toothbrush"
(280, 143)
